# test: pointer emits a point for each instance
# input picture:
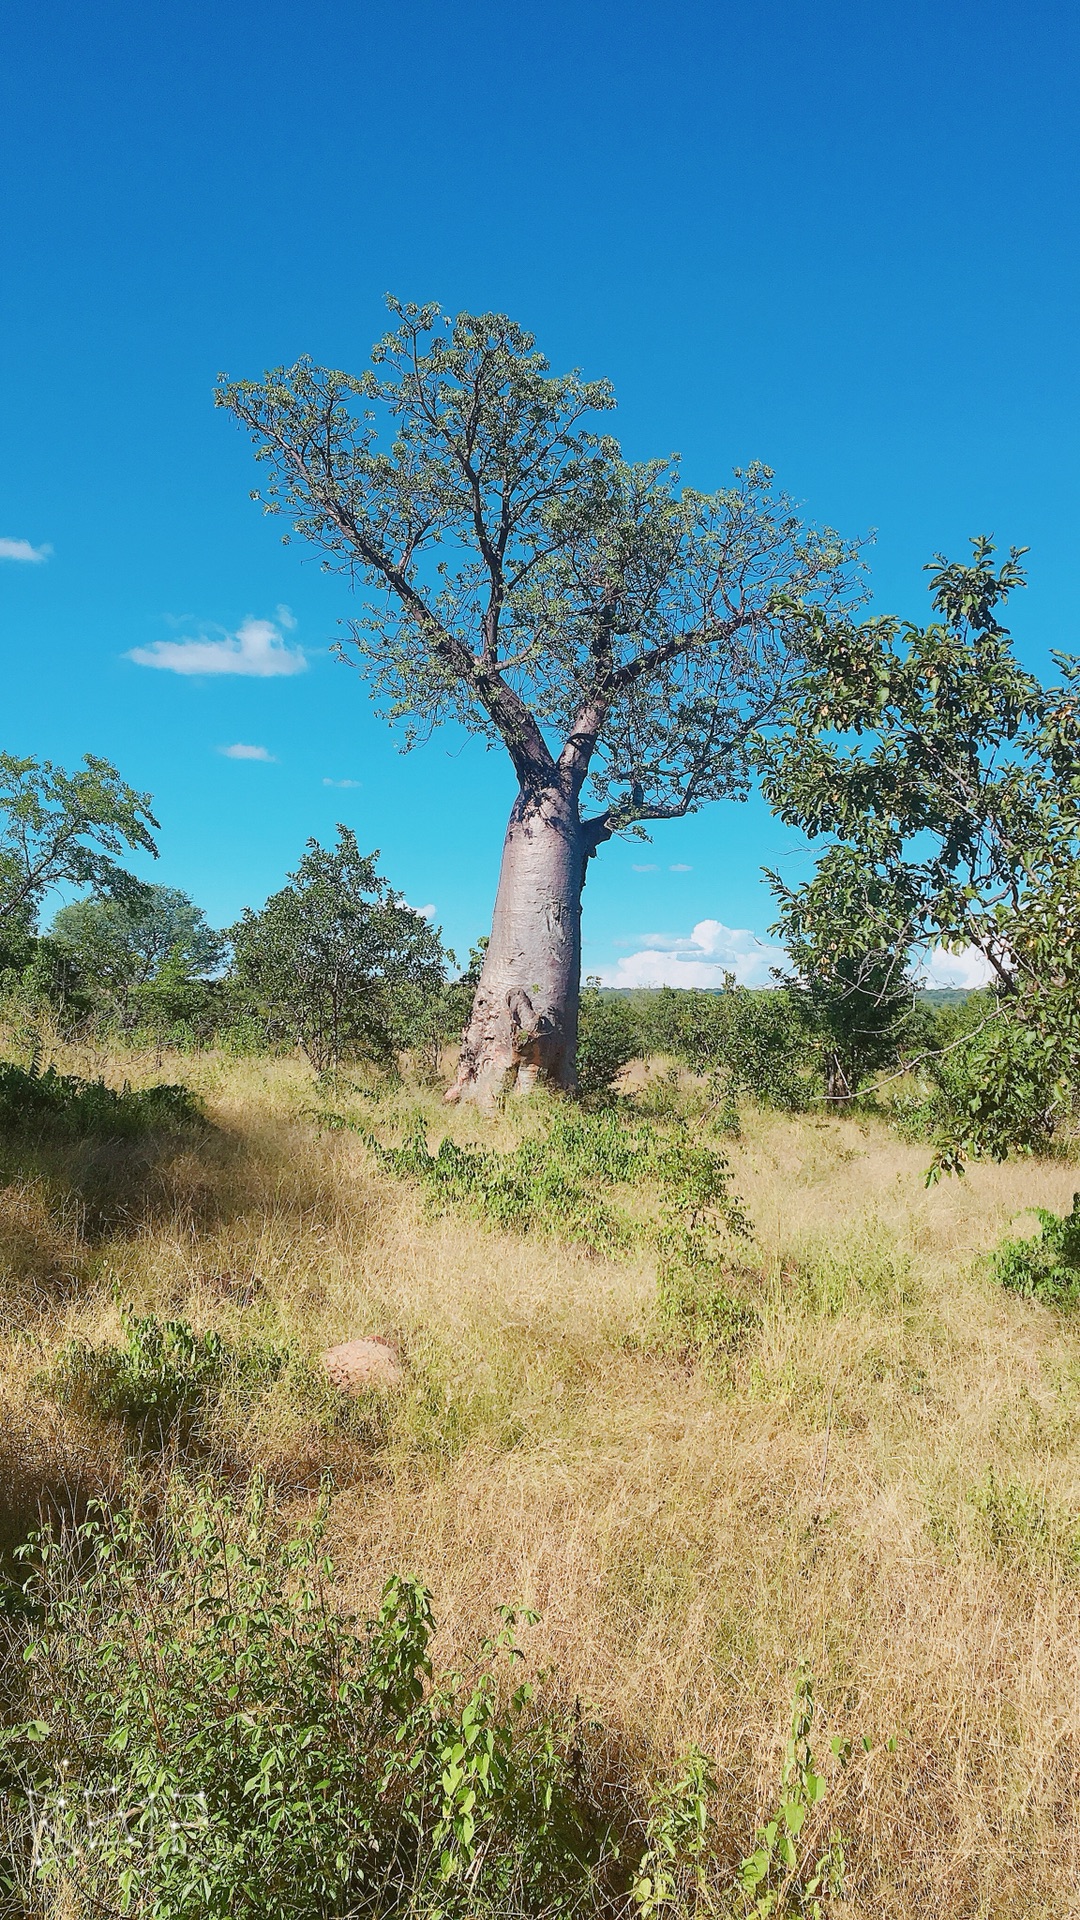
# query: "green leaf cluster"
(336, 960)
(1045, 1268)
(51, 1104)
(162, 1378)
(553, 1181)
(205, 1734)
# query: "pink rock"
(359, 1364)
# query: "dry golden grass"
(687, 1534)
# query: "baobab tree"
(622, 636)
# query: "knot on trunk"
(509, 1042)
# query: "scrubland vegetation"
(835, 1455)
(711, 1544)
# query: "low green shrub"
(204, 1734)
(608, 1039)
(543, 1185)
(1017, 1523)
(697, 1313)
(51, 1103)
(552, 1181)
(1047, 1267)
(163, 1377)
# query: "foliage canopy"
(334, 960)
(65, 828)
(528, 581)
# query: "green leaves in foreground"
(784, 1874)
(206, 1735)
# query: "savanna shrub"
(542, 1186)
(697, 1313)
(993, 1087)
(1019, 1524)
(52, 1103)
(752, 1040)
(1047, 1267)
(206, 1735)
(552, 1181)
(608, 1039)
(163, 1376)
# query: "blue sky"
(839, 238)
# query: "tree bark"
(522, 1031)
(838, 1088)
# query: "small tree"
(620, 636)
(334, 961)
(856, 1011)
(121, 948)
(60, 828)
(946, 782)
(608, 1038)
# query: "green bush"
(1020, 1525)
(552, 1182)
(608, 1039)
(163, 1377)
(36, 1104)
(747, 1040)
(549, 1183)
(1046, 1268)
(993, 1087)
(206, 1735)
(697, 1313)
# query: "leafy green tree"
(336, 961)
(608, 1038)
(122, 948)
(856, 1012)
(60, 828)
(945, 780)
(621, 636)
(751, 1039)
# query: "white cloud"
(940, 968)
(22, 550)
(340, 783)
(680, 867)
(646, 869)
(239, 751)
(256, 648)
(701, 961)
(424, 913)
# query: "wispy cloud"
(665, 960)
(680, 867)
(22, 550)
(340, 783)
(648, 868)
(240, 751)
(257, 648)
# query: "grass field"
(882, 1478)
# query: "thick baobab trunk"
(523, 1026)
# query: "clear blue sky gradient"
(840, 238)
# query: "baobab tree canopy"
(621, 635)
